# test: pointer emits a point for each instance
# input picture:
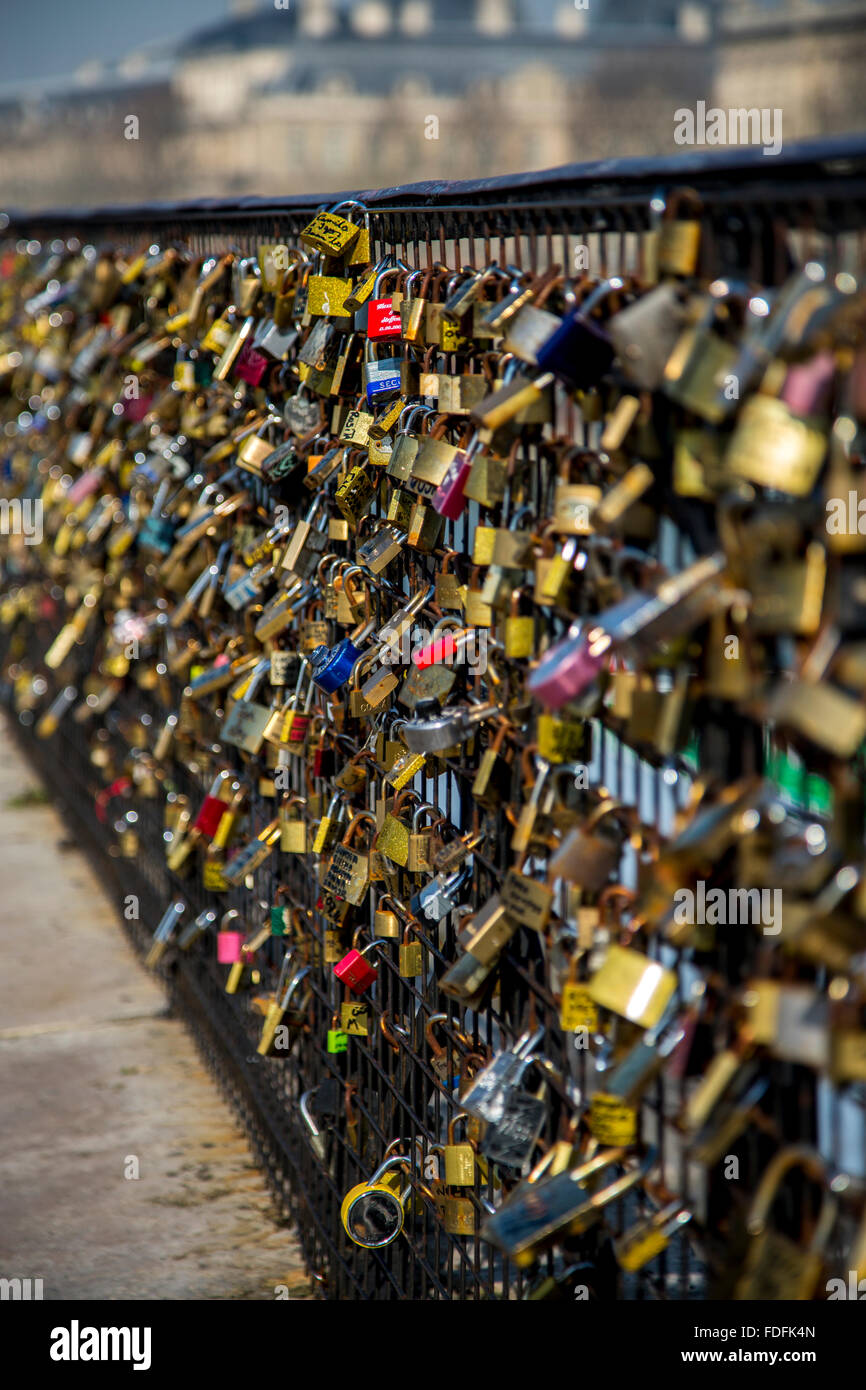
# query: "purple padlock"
(579, 350)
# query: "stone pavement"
(96, 1082)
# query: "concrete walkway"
(94, 1076)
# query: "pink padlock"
(251, 364)
(569, 667)
(229, 943)
(449, 499)
(678, 604)
(806, 388)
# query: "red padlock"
(213, 807)
(354, 971)
(383, 320)
(444, 646)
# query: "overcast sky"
(50, 38)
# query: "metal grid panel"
(749, 223)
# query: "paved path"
(93, 1075)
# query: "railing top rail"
(830, 167)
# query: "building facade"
(319, 95)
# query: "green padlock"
(338, 1040)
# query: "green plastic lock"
(338, 1041)
(278, 921)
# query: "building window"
(416, 17)
(371, 17)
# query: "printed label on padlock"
(382, 377)
(612, 1122)
(332, 908)
(383, 320)
(577, 1011)
(355, 1019)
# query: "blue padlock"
(331, 667)
(382, 377)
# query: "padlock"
(392, 838)
(646, 331)
(579, 350)
(332, 667)
(254, 854)
(353, 970)
(458, 1215)
(355, 493)
(164, 932)
(633, 986)
(229, 941)
(228, 820)
(348, 873)
(373, 1212)
(776, 1266)
(293, 829)
(645, 1240)
(524, 824)
(559, 1202)
(284, 1000)
(703, 361)
(519, 630)
(383, 321)
(459, 1158)
(214, 806)
(418, 847)
(330, 234)
(245, 724)
(386, 922)
(337, 1039)
(410, 956)
(577, 1009)
(575, 501)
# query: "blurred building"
(328, 94)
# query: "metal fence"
(759, 216)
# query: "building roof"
(269, 28)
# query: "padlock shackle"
(793, 1156)
(425, 808)
(397, 1161)
(306, 1114)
